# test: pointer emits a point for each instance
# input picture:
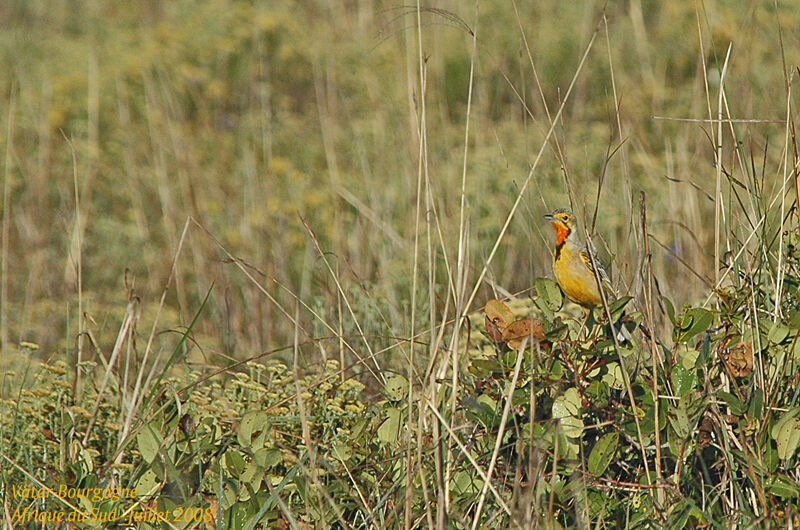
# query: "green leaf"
(253, 473)
(389, 430)
(549, 292)
(790, 414)
(146, 483)
(252, 423)
(482, 410)
(598, 392)
(603, 452)
(705, 351)
(86, 502)
(618, 307)
(786, 433)
(678, 515)
(735, 404)
(778, 332)
(794, 319)
(670, 309)
(396, 388)
(485, 367)
(679, 420)
(465, 483)
(267, 457)
(695, 321)
(342, 451)
(234, 463)
(771, 459)
(756, 404)
(566, 408)
(677, 444)
(783, 487)
(148, 440)
(686, 321)
(613, 377)
(703, 319)
(682, 379)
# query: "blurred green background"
(121, 120)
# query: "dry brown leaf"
(518, 330)
(493, 329)
(213, 504)
(739, 359)
(498, 315)
(706, 427)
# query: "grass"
(246, 247)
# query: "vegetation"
(280, 265)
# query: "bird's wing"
(604, 281)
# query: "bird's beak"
(550, 217)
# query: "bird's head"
(563, 221)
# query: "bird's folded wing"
(606, 283)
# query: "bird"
(572, 264)
(576, 272)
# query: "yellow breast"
(575, 278)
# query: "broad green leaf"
(598, 392)
(342, 451)
(783, 487)
(359, 429)
(465, 483)
(679, 421)
(86, 459)
(735, 404)
(786, 433)
(674, 442)
(682, 379)
(234, 462)
(148, 440)
(770, 453)
(695, 321)
(396, 388)
(86, 502)
(614, 377)
(252, 474)
(778, 332)
(146, 483)
(790, 414)
(549, 292)
(603, 452)
(556, 370)
(481, 410)
(670, 309)
(267, 457)
(389, 430)
(703, 318)
(618, 307)
(488, 402)
(756, 404)
(566, 408)
(687, 356)
(485, 367)
(794, 319)
(686, 321)
(253, 422)
(261, 439)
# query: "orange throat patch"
(561, 233)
